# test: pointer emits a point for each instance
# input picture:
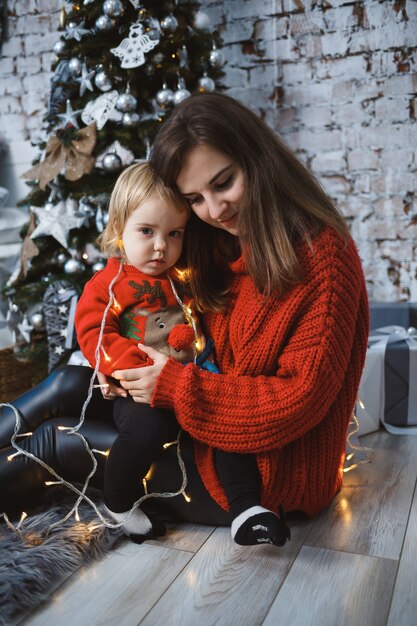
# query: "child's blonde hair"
(135, 184)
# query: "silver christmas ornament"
(180, 95)
(75, 65)
(182, 92)
(73, 266)
(85, 80)
(37, 321)
(61, 258)
(206, 84)
(104, 23)
(201, 21)
(113, 8)
(158, 58)
(126, 102)
(216, 58)
(69, 117)
(57, 222)
(47, 278)
(169, 23)
(154, 34)
(102, 81)
(75, 31)
(130, 119)
(112, 162)
(58, 47)
(98, 265)
(165, 96)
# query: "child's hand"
(109, 389)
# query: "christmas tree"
(121, 65)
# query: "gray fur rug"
(28, 573)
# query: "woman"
(282, 290)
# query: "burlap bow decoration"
(69, 151)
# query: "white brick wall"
(338, 80)
(344, 78)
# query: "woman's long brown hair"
(283, 203)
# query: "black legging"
(240, 478)
(142, 433)
(58, 401)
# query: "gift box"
(388, 388)
(393, 314)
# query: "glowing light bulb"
(199, 344)
(24, 435)
(361, 404)
(102, 452)
(12, 456)
(186, 497)
(116, 305)
(350, 468)
(106, 356)
(169, 444)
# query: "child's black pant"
(240, 479)
(142, 433)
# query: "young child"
(144, 238)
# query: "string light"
(116, 305)
(13, 456)
(103, 452)
(356, 449)
(73, 431)
(22, 519)
(106, 356)
(169, 444)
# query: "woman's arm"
(258, 413)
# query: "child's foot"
(138, 526)
(258, 525)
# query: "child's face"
(153, 236)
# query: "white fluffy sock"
(138, 523)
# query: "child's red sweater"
(291, 368)
(144, 311)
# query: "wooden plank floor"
(355, 564)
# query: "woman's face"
(213, 185)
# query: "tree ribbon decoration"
(69, 150)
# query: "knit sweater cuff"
(167, 384)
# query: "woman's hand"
(140, 382)
(109, 390)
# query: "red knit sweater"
(144, 310)
(290, 372)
